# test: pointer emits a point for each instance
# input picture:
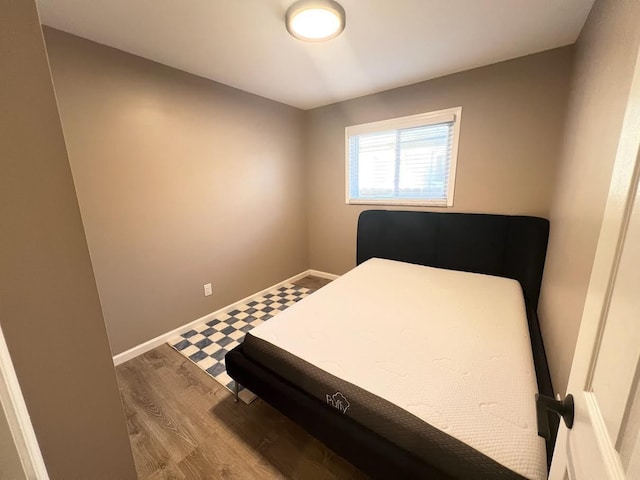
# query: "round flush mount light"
(315, 20)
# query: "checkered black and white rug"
(207, 344)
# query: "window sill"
(401, 203)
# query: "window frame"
(410, 121)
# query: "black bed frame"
(501, 245)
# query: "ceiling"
(386, 43)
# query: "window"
(404, 161)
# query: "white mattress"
(450, 347)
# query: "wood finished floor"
(184, 425)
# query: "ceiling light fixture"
(315, 20)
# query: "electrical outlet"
(207, 290)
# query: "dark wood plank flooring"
(184, 425)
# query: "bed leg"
(236, 388)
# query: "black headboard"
(502, 245)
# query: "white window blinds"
(413, 163)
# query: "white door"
(20, 457)
(604, 442)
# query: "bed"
(424, 360)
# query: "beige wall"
(49, 306)
(161, 159)
(605, 57)
(511, 131)
(181, 182)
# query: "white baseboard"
(318, 273)
(160, 339)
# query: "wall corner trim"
(18, 418)
(133, 352)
